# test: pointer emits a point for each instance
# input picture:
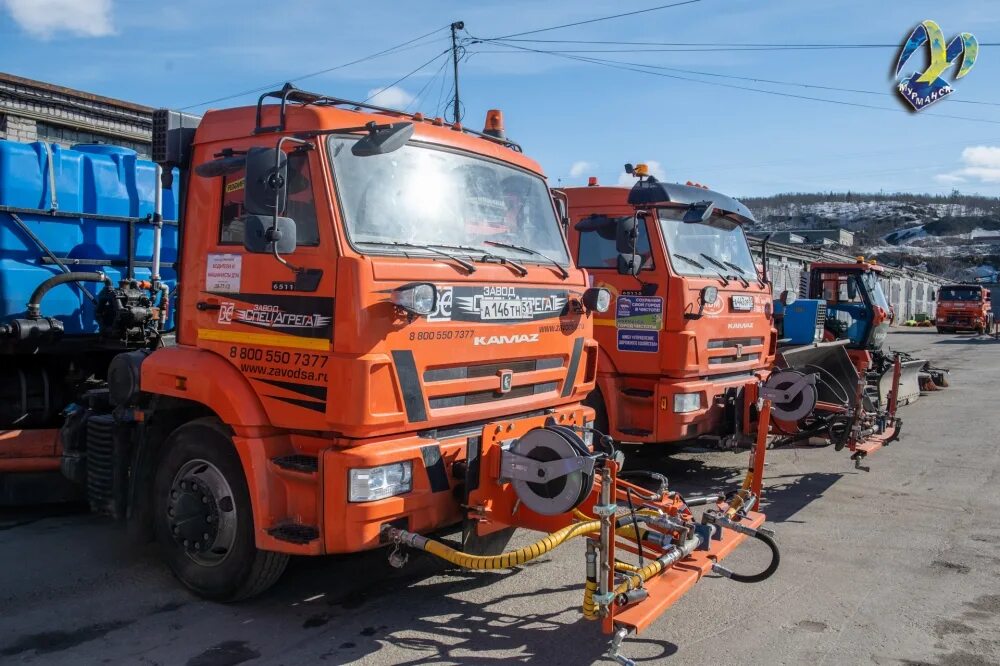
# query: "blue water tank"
(78, 202)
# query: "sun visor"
(650, 192)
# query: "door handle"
(208, 305)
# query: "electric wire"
(430, 81)
(599, 19)
(614, 64)
(405, 76)
(404, 46)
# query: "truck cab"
(690, 324)
(964, 307)
(856, 306)
(364, 292)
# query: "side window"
(300, 205)
(597, 246)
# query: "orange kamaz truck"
(381, 333)
(691, 324)
(964, 307)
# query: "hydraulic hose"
(35, 302)
(763, 575)
(492, 562)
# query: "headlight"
(375, 483)
(419, 298)
(597, 299)
(588, 435)
(709, 295)
(686, 402)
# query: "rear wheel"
(202, 516)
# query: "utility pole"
(455, 27)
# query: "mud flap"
(909, 382)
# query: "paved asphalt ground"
(899, 565)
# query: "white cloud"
(982, 164)
(581, 168)
(655, 169)
(393, 97)
(44, 18)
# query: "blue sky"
(578, 119)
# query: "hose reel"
(792, 394)
(550, 468)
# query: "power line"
(614, 64)
(430, 81)
(394, 49)
(601, 18)
(406, 76)
(755, 79)
(720, 45)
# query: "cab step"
(637, 392)
(298, 463)
(294, 533)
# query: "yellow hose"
(589, 605)
(513, 558)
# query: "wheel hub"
(193, 515)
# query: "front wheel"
(203, 519)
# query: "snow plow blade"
(837, 379)
(909, 382)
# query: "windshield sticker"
(498, 305)
(305, 316)
(638, 341)
(644, 313)
(223, 273)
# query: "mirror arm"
(277, 200)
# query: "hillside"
(954, 235)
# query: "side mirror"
(383, 140)
(266, 181)
(852, 289)
(260, 237)
(627, 234)
(629, 263)
(698, 212)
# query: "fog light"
(419, 298)
(686, 402)
(375, 483)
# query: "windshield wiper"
(471, 268)
(563, 273)
(740, 273)
(487, 255)
(715, 261)
(722, 278)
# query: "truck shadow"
(443, 614)
(970, 340)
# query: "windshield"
(875, 289)
(691, 244)
(959, 294)
(423, 196)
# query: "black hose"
(35, 302)
(771, 568)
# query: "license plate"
(742, 303)
(504, 309)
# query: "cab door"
(274, 321)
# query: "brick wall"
(37, 111)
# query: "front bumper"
(438, 485)
(706, 420)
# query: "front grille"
(821, 315)
(722, 360)
(723, 343)
(491, 369)
(480, 397)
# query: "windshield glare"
(425, 196)
(875, 289)
(953, 294)
(719, 238)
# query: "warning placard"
(643, 313)
(223, 273)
